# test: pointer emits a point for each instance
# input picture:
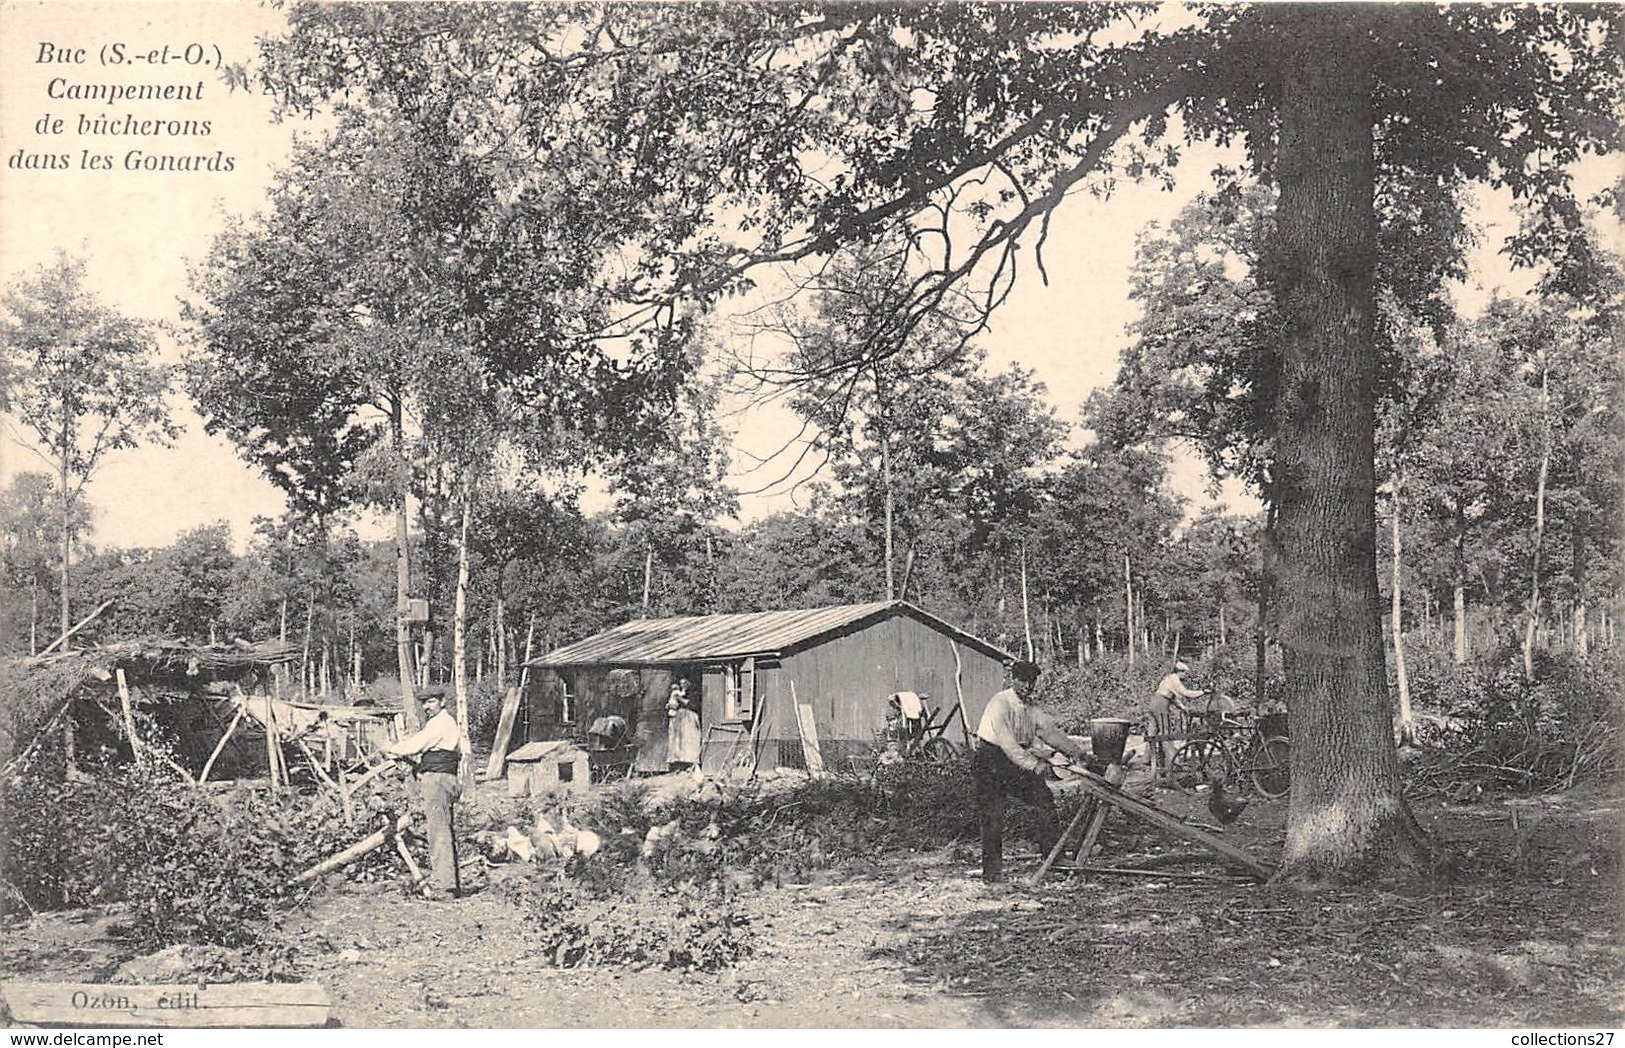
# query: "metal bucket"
(1107, 737)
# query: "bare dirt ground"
(1529, 933)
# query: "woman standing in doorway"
(682, 728)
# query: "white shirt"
(440, 733)
(1021, 731)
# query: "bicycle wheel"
(1272, 771)
(1198, 758)
(939, 750)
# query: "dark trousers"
(998, 777)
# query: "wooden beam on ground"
(499, 747)
(185, 1005)
(1172, 875)
(1147, 812)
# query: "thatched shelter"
(177, 700)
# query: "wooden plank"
(190, 1005)
(809, 736)
(499, 748)
(1147, 812)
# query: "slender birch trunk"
(459, 627)
(1533, 621)
(1128, 608)
(403, 578)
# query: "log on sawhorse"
(1103, 791)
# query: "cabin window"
(567, 701)
(739, 690)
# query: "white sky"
(138, 230)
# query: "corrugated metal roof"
(699, 637)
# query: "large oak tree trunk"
(1347, 818)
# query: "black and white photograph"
(740, 516)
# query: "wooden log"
(187, 1005)
(129, 717)
(1147, 812)
(220, 747)
(371, 842)
(499, 747)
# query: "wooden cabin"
(754, 669)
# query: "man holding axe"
(439, 746)
(1013, 745)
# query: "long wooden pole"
(959, 690)
(1100, 788)
(81, 624)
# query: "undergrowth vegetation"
(1483, 723)
(188, 865)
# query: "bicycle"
(925, 739)
(1219, 747)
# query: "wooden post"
(129, 717)
(221, 745)
(271, 743)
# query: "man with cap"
(439, 747)
(1170, 695)
(1013, 744)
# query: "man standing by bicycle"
(1170, 695)
(1013, 742)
